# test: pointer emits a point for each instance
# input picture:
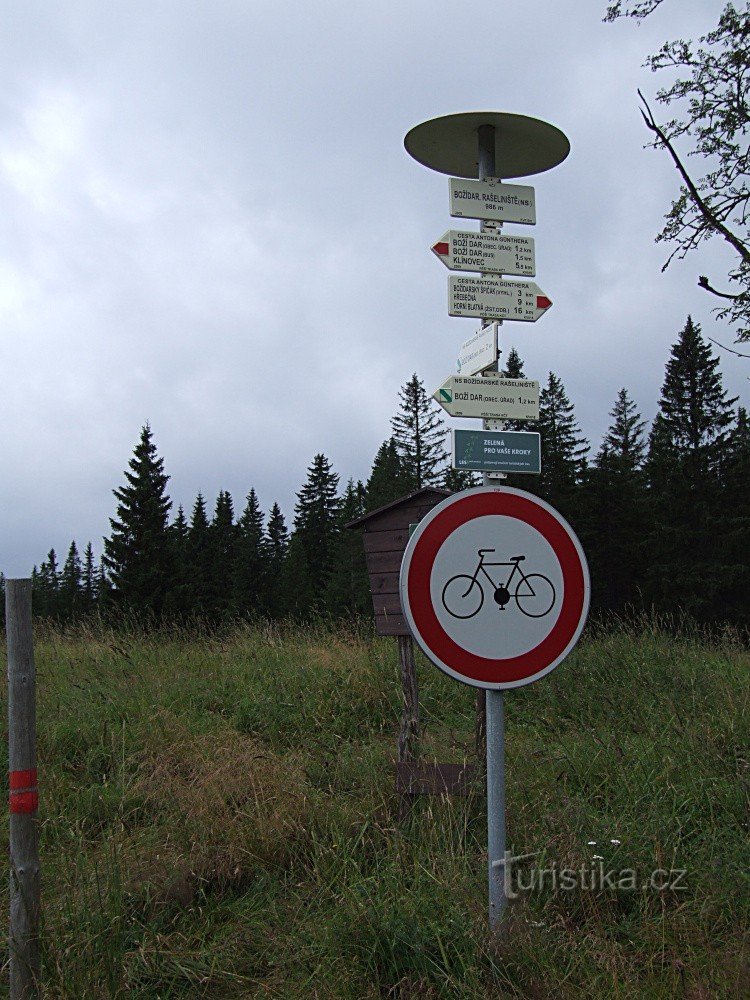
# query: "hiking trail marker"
(467, 251)
(482, 627)
(491, 397)
(493, 298)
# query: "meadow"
(219, 820)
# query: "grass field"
(219, 820)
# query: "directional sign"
(479, 351)
(465, 251)
(491, 199)
(497, 451)
(498, 398)
(495, 587)
(493, 298)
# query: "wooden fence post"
(408, 737)
(25, 959)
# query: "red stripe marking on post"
(22, 779)
(24, 802)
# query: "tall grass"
(219, 819)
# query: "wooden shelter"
(385, 534)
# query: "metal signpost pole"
(494, 707)
(24, 797)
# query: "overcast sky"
(209, 221)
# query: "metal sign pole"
(494, 706)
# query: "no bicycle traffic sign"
(495, 587)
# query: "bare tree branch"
(703, 283)
(708, 216)
(731, 350)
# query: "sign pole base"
(496, 806)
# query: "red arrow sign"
(441, 249)
(542, 302)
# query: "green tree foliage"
(459, 479)
(617, 506)
(253, 561)
(712, 121)
(563, 451)
(199, 558)
(277, 545)
(71, 584)
(348, 588)
(46, 587)
(137, 553)
(88, 580)
(388, 479)
(316, 529)
(223, 534)
(179, 598)
(419, 433)
(687, 448)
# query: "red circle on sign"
(416, 570)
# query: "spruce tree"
(348, 591)
(46, 596)
(420, 436)
(137, 554)
(734, 537)
(179, 598)
(88, 580)
(514, 369)
(223, 540)
(563, 451)
(388, 480)
(251, 572)
(616, 499)
(459, 479)
(199, 559)
(70, 584)
(277, 544)
(687, 450)
(316, 528)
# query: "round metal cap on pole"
(522, 145)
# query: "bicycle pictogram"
(463, 594)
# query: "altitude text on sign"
(491, 199)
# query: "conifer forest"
(663, 513)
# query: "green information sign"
(497, 451)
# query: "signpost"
(447, 608)
(466, 251)
(494, 298)
(491, 199)
(490, 397)
(496, 451)
(478, 352)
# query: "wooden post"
(408, 737)
(480, 726)
(25, 964)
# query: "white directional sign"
(493, 298)
(491, 199)
(493, 398)
(478, 352)
(464, 251)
